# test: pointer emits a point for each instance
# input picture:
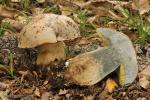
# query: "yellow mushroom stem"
(50, 52)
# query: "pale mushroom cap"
(47, 28)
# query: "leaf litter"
(34, 86)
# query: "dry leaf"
(7, 12)
(62, 91)
(89, 97)
(40, 1)
(144, 78)
(67, 3)
(4, 95)
(37, 92)
(28, 90)
(142, 6)
(110, 85)
(97, 3)
(68, 96)
(45, 96)
(15, 1)
(3, 85)
(45, 82)
(104, 95)
(65, 10)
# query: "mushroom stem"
(50, 52)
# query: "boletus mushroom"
(91, 67)
(47, 32)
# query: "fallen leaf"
(144, 78)
(15, 1)
(141, 98)
(142, 6)
(37, 92)
(3, 85)
(56, 97)
(90, 97)
(65, 10)
(4, 95)
(45, 96)
(28, 90)
(68, 95)
(40, 1)
(110, 85)
(61, 92)
(68, 3)
(7, 12)
(45, 82)
(104, 95)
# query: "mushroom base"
(50, 52)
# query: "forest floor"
(20, 79)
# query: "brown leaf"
(62, 92)
(89, 97)
(104, 95)
(3, 95)
(28, 90)
(14, 0)
(45, 82)
(37, 92)
(65, 10)
(7, 12)
(3, 85)
(40, 1)
(144, 78)
(142, 6)
(67, 3)
(45, 96)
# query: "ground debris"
(21, 57)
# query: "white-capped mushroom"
(47, 32)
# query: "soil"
(51, 86)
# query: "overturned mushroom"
(47, 32)
(91, 67)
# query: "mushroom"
(47, 32)
(91, 67)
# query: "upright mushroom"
(47, 32)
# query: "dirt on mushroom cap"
(47, 28)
